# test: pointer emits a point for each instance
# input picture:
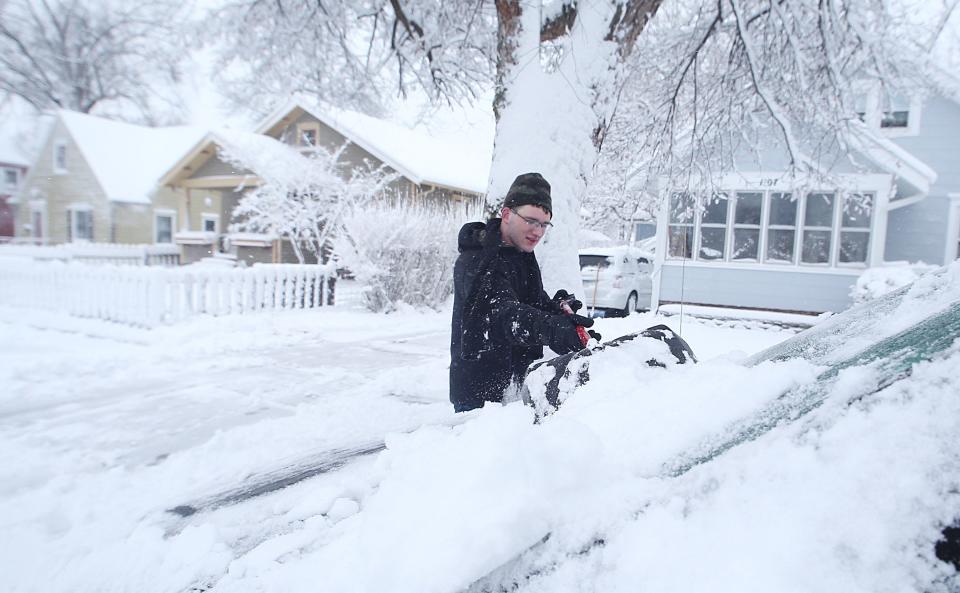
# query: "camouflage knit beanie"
(529, 188)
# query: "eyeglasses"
(545, 226)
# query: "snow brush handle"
(581, 331)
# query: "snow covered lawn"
(105, 429)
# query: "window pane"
(681, 241)
(857, 209)
(895, 119)
(209, 225)
(816, 247)
(853, 247)
(84, 225)
(681, 207)
(783, 209)
(746, 243)
(37, 224)
(748, 208)
(819, 210)
(780, 245)
(711, 242)
(164, 229)
(308, 137)
(715, 209)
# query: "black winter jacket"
(499, 315)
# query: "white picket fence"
(161, 254)
(149, 296)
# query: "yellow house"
(95, 180)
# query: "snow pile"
(849, 497)
(878, 281)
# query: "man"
(502, 317)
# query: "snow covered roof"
(254, 153)
(259, 153)
(128, 159)
(11, 153)
(893, 158)
(615, 251)
(459, 161)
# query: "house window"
(164, 228)
(11, 178)
(823, 228)
(855, 228)
(713, 227)
(781, 228)
(308, 134)
(37, 216)
(211, 223)
(817, 228)
(80, 223)
(896, 113)
(680, 227)
(60, 157)
(746, 226)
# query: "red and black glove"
(566, 333)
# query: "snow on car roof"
(460, 161)
(618, 250)
(128, 159)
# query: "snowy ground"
(103, 429)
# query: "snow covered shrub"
(876, 282)
(300, 196)
(402, 253)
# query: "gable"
(937, 144)
(455, 162)
(202, 166)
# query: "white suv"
(616, 278)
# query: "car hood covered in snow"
(828, 464)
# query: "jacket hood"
(477, 235)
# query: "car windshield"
(595, 261)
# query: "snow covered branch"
(711, 81)
(116, 58)
(300, 198)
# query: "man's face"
(518, 232)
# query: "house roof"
(254, 153)
(128, 159)
(891, 157)
(259, 153)
(11, 153)
(459, 161)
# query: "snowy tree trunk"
(552, 122)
